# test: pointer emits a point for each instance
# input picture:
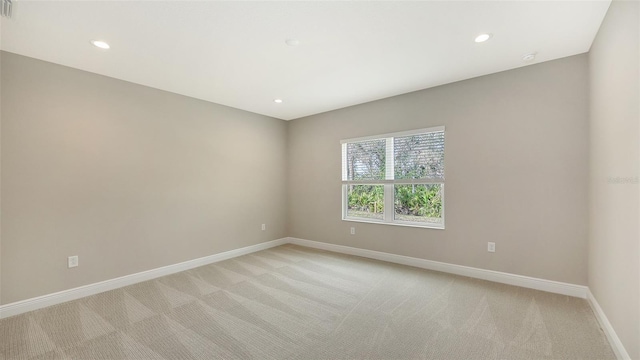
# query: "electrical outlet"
(353, 231)
(264, 227)
(72, 261)
(491, 247)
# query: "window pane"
(366, 160)
(419, 156)
(418, 203)
(365, 201)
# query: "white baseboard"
(23, 306)
(495, 276)
(614, 340)
(580, 291)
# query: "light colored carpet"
(292, 302)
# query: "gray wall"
(127, 177)
(0, 179)
(614, 242)
(516, 171)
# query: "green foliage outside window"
(369, 198)
(418, 200)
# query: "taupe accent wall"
(0, 178)
(515, 168)
(127, 177)
(614, 241)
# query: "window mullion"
(389, 175)
(388, 203)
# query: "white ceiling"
(234, 53)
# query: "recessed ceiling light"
(483, 37)
(100, 44)
(278, 101)
(292, 42)
(529, 57)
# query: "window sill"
(397, 223)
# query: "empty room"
(320, 179)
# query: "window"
(395, 178)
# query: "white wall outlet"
(264, 227)
(72, 261)
(491, 247)
(353, 230)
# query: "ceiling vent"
(6, 8)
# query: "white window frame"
(389, 182)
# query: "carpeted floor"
(292, 302)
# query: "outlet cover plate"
(72, 261)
